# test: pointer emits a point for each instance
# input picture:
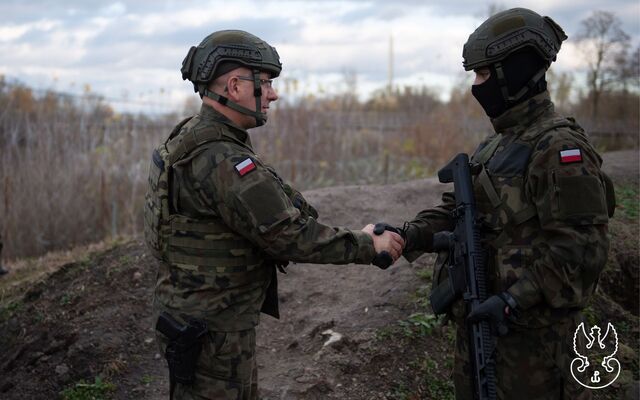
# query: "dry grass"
(74, 172)
(28, 271)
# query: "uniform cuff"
(525, 292)
(418, 241)
(365, 252)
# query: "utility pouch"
(183, 350)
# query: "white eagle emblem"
(594, 375)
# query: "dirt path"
(338, 336)
(91, 317)
(352, 301)
(622, 166)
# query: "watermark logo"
(595, 366)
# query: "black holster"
(183, 350)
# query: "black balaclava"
(519, 68)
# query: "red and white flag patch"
(246, 166)
(570, 156)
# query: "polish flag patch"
(570, 156)
(246, 166)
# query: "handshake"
(388, 241)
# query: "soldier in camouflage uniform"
(543, 204)
(2, 270)
(221, 221)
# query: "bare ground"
(69, 317)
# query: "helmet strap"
(260, 117)
(257, 93)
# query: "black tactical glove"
(497, 309)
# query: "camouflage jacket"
(232, 220)
(544, 205)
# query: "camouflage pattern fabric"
(232, 221)
(226, 368)
(222, 275)
(544, 222)
(530, 364)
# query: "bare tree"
(560, 86)
(349, 97)
(627, 71)
(603, 41)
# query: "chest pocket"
(512, 161)
(499, 187)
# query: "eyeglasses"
(267, 83)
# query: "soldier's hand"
(387, 241)
(497, 309)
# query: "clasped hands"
(387, 244)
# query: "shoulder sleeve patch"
(245, 166)
(570, 156)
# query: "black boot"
(3, 271)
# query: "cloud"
(15, 32)
(328, 46)
(131, 46)
(113, 9)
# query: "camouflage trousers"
(531, 364)
(226, 368)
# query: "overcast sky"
(131, 51)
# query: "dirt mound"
(89, 318)
(346, 332)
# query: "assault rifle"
(466, 274)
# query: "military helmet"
(238, 48)
(223, 51)
(509, 31)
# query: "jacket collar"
(233, 131)
(518, 118)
